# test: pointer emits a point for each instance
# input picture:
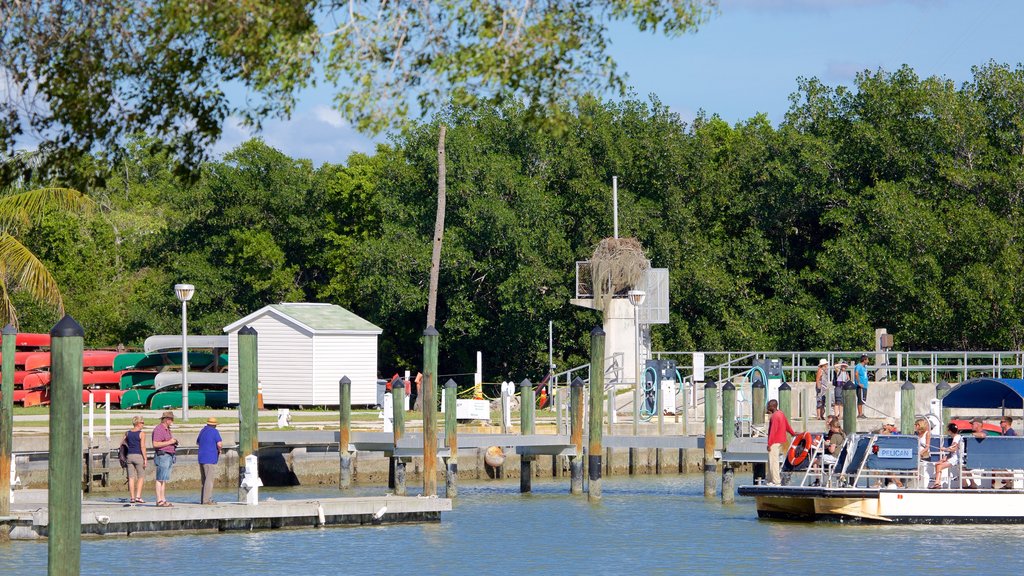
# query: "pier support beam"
(248, 384)
(594, 448)
(65, 463)
(526, 420)
(430, 344)
(849, 408)
(451, 441)
(344, 432)
(576, 435)
(710, 432)
(6, 421)
(398, 430)
(907, 400)
(728, 433)
(757, 404)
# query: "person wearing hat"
(209, 442)
(821, 387)
(889, 426)
(165, 448)
(842, 377)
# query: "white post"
(615, 204)
(106, 410)
(478, 377)
(184, 360)
(92, 412)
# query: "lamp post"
(184, 293)
(636, 298)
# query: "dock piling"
(451, 425)
(728, 433)
(786, 400)
(757, 404)
(710, 431)
(6, 419)
(594, 448)
(576, 435)
(907, 394)
(849, 408)
(430, 344)
(65, 463)
(397, 431)
(344, 432)
(248, 388)
(526, 408)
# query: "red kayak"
(32, 340)
(90, 359)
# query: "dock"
(29, 519)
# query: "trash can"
(382, 386)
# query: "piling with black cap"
(248, 390)
(451, 441)
(526, 426)
(7, 349)
(728, 433)
(907, 399)
(786, 400)
(429, 403)
(576, 435)
(65, 462)
(398, 430)
(710, 432)
(849, 408)
(594, 448)
(345, 431)
(757, 405)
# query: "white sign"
(471, 409)
(895, 452)
(698, 366)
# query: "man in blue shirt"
(861, 377)
(209, 442)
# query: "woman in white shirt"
(954, 454)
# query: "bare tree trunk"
(435, 260)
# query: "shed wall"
(285, 363)
(354, 356)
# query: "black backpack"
(122, 453)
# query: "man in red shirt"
(778, 425)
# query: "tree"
(81, 76)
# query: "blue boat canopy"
(986, 393)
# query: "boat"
(91, 359)
(204, 389)
(163, 343)
(127, 360)
(196, 360)
(31, 341)
(880, 478)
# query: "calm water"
(644, 526)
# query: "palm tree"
(20, 270)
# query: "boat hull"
(888, 506)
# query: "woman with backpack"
(135, 442)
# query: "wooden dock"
(29, 519)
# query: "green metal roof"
(325, 317)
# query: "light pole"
(636, 298)
(184, 293)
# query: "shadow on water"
(643, 525)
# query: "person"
(821, 387)
(210, 444)
(1006, 425)
(978, 432)
(888, 426)
(953, 451)
(135, 440)
(836, 440)
(861, 380)
(924, 439)
(164, 455)
(413, 390)
(842, 377)
(778, 425)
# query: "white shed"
(304, 349)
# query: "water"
(645, 525)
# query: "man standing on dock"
(209, 442)
(861, 374)
(164, 445)
(778, 425)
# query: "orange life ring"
(800, 449)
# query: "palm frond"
(23, 271)
(10, 315)
(21, 208)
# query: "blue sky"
(744, 61)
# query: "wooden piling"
(248, 389)
(786, 400)
(710, 432)
(429, 403)
(849, 408)
(941, 389)
(526, 426)
(7, 349)
(907, 394)
(594, 444)
(451, 441)
(344, 432)
(576, 435)
(728, 433)
(398, 430)
(65, 462)
(757, 405)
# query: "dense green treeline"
(897, 203)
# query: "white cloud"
(329, 116)
(843, 71)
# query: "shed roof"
(315, 317)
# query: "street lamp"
(184, 293)
(636, 298)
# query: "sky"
(744, 61)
